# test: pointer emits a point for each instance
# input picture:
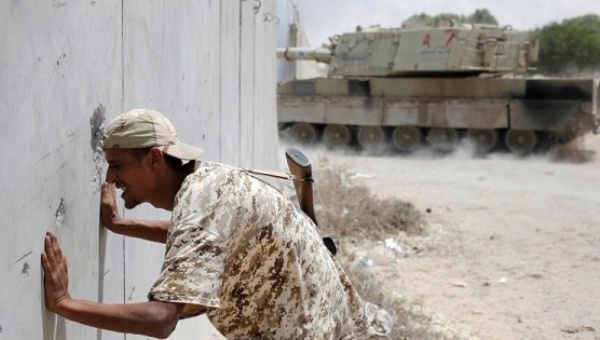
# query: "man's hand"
(56, 275)
(109, 214)
(153, 318)
(155, 231)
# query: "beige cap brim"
(182, 151)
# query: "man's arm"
(153, 318)
(145, 229)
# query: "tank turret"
(393, 52)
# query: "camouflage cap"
(142, 128)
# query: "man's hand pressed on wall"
(109, 212)
(151, 230)
(56, 275)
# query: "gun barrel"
(322, 55)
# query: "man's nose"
(111, 175)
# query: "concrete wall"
(66, 68)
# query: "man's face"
(128, 174)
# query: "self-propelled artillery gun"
(441, 86)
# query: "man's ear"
(155, 159)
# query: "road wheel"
(336, 136)
(520, 142)
(483, 139)
(406, 138)
(304, 133)
(442, 139)
(370, 137)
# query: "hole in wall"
(60, 214)
(25, 270)
(97, 131)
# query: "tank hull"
(560, 109)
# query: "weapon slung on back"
(301, 168)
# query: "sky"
(324, 18)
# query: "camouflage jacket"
(238, 250)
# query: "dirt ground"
(516, 250)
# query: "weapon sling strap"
(327, 240)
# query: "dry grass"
(344, 209)
(357, 218)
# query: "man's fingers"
(108, 205)
(108, 187)
(57, 250)
(48, 250)
(55, 246)
(108, 192)
(45, 262)
(51, 236)
(55, 272)
(105, 189)
(52, 248)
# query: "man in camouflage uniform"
(236, 248)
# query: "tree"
(480, 16)
(570, 46)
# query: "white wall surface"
(66, 67)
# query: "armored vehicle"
(443, 85)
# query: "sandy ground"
(518, 255)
